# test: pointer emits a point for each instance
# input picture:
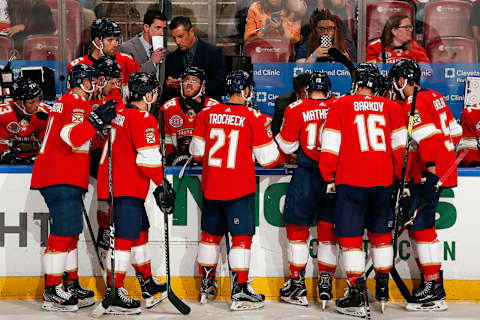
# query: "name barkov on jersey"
(368, 106)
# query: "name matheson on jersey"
(316, 114)
(368, 106)
(229, 119)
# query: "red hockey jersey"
(64, 157)
(435, 133)
(413, 51)
(136, 155)
(128, 66)
(363, 142)
(303, 123)
(24, 133)
(471, 132)
(179, 124)
(228, 137)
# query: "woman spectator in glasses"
(274, 18)
(396, 43)
(327, 32)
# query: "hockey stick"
(92, 235)
(343, 59)
(102, 307)
(177, 303)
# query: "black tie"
(188, 59)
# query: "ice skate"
(381, 289)
(325, 288)
(208, 290)
(353, 303)
(244, 297)
(295, 291)
(429, 297)
(153, 291)
(55, 299)
(86, 297)
(122, 304)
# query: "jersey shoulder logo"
(150, 135)
(416, 118)
(176, 121)
(77, 115)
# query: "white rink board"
(268, 259)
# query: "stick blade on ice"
(177, 303)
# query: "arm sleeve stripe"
(149, 157)
(455, 129)
(65, 133)
(331, 141)
(399, 138)
(286, 146)
(266, 154)
(424, 132)
(154, 146)
(197, 147)
(467, 143)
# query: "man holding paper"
(147, 47)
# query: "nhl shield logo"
(13, 127)
(150, 135)
(176, 121)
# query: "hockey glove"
(165, 198)
(176, 159)
(103, 115)
(10, 156)
(428, 189)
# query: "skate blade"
(87, 302)
(98, 311)
(246, 305)
(122, 311)
(324, 304)
(440, 305)
(382, 306)
(52, 306)
(353, 311)
(301, 301)
(153, 301)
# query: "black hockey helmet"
(140, 83)
(368, 75)
(108, 68)
(238, 80)
(319, 81)
(24, 89)
(196, 72)
(104, 28)
(80, 72)
(407, 69)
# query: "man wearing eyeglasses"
(396, 43)
(180, 114)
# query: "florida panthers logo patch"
(13, 127)
(176, 121)
(416, 118)
(150, 135)
(77, 115)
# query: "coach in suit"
(140, 46)
(193, 51)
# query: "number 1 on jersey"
(375, 137)
(219, 135)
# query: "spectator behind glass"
(396, 43)
(475, 21)
(272, 18)
(25, 18)
(327, 32)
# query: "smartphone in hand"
(326, 41)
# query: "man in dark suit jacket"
(140, 46)
(193, 51)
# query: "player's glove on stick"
(165, 198)
(429, 182)
(177, 159)
(103, 115)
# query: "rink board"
(24, 231)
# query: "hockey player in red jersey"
(471, 130)
(180, 113)
(371, 128)
(22, 123)
(60, 173)
(435, 134)
(224, 139)
(105, 35)
(136, 155)
(301, 132)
